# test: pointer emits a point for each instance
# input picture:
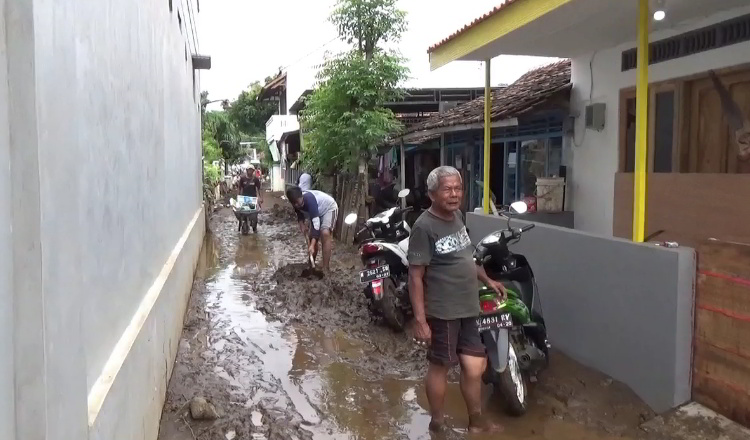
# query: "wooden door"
(712, 144)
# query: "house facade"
(660, 110)
(691, 146)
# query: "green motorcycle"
(513, 330)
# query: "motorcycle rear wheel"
(512, 386)
(394, 316)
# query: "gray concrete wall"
(100, 211)
(625, 309)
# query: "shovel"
(311, 270)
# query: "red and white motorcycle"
(386, 268)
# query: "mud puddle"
(286, 357)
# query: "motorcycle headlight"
(490, 239)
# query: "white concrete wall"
(100, 126)
(595, 154)
(277, 125)
(7, 401)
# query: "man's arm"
(416, 292)
(311, 206)
(482, 274)
(258, 191)
(420, 255)
(497, 286)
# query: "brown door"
(712, 144)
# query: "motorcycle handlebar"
(528, 227)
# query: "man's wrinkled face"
(449, 194)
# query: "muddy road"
(284, 357)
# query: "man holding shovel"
(322, 210)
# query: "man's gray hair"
(433, 179)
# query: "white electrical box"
(595, 116)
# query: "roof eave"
(506, 20)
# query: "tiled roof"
(270, 88)
(484, 17)
(526, 94)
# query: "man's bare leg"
(472, 368)
(435, 383)
(327, 249)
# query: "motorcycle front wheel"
(511, 385)
(245, 227)
(394, 316)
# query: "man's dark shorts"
(453, 337)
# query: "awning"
(274, 151)
(561, 28)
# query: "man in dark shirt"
(322, 211)
(444, 293)
(249, 185)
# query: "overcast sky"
(251, 39)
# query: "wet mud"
(284, 356)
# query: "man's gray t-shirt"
(444, 247)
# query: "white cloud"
(250, 39)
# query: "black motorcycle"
(513, 331)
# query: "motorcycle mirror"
(518, 207)
(350, 219)
(403, 193)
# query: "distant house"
(528, 123)
(282, 129)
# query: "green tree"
(345, 119)
(249, 114)
(220, 131)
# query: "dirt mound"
(282, 211)
(330, 302)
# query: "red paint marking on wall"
(737, 280)
(734, 387)
(725, 312)
(726, 349)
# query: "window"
(689, 124)
(526, 161)
(664, 115)
(662, 127)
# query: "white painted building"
(664, 84)
(101, 216)
(597, 155)
(691, 146)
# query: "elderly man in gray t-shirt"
(444, 294)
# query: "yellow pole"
(641, 126)
(487, 124)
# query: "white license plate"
(376, 273)
(494, 321)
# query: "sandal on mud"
(480, 424)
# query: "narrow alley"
(284, 357)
